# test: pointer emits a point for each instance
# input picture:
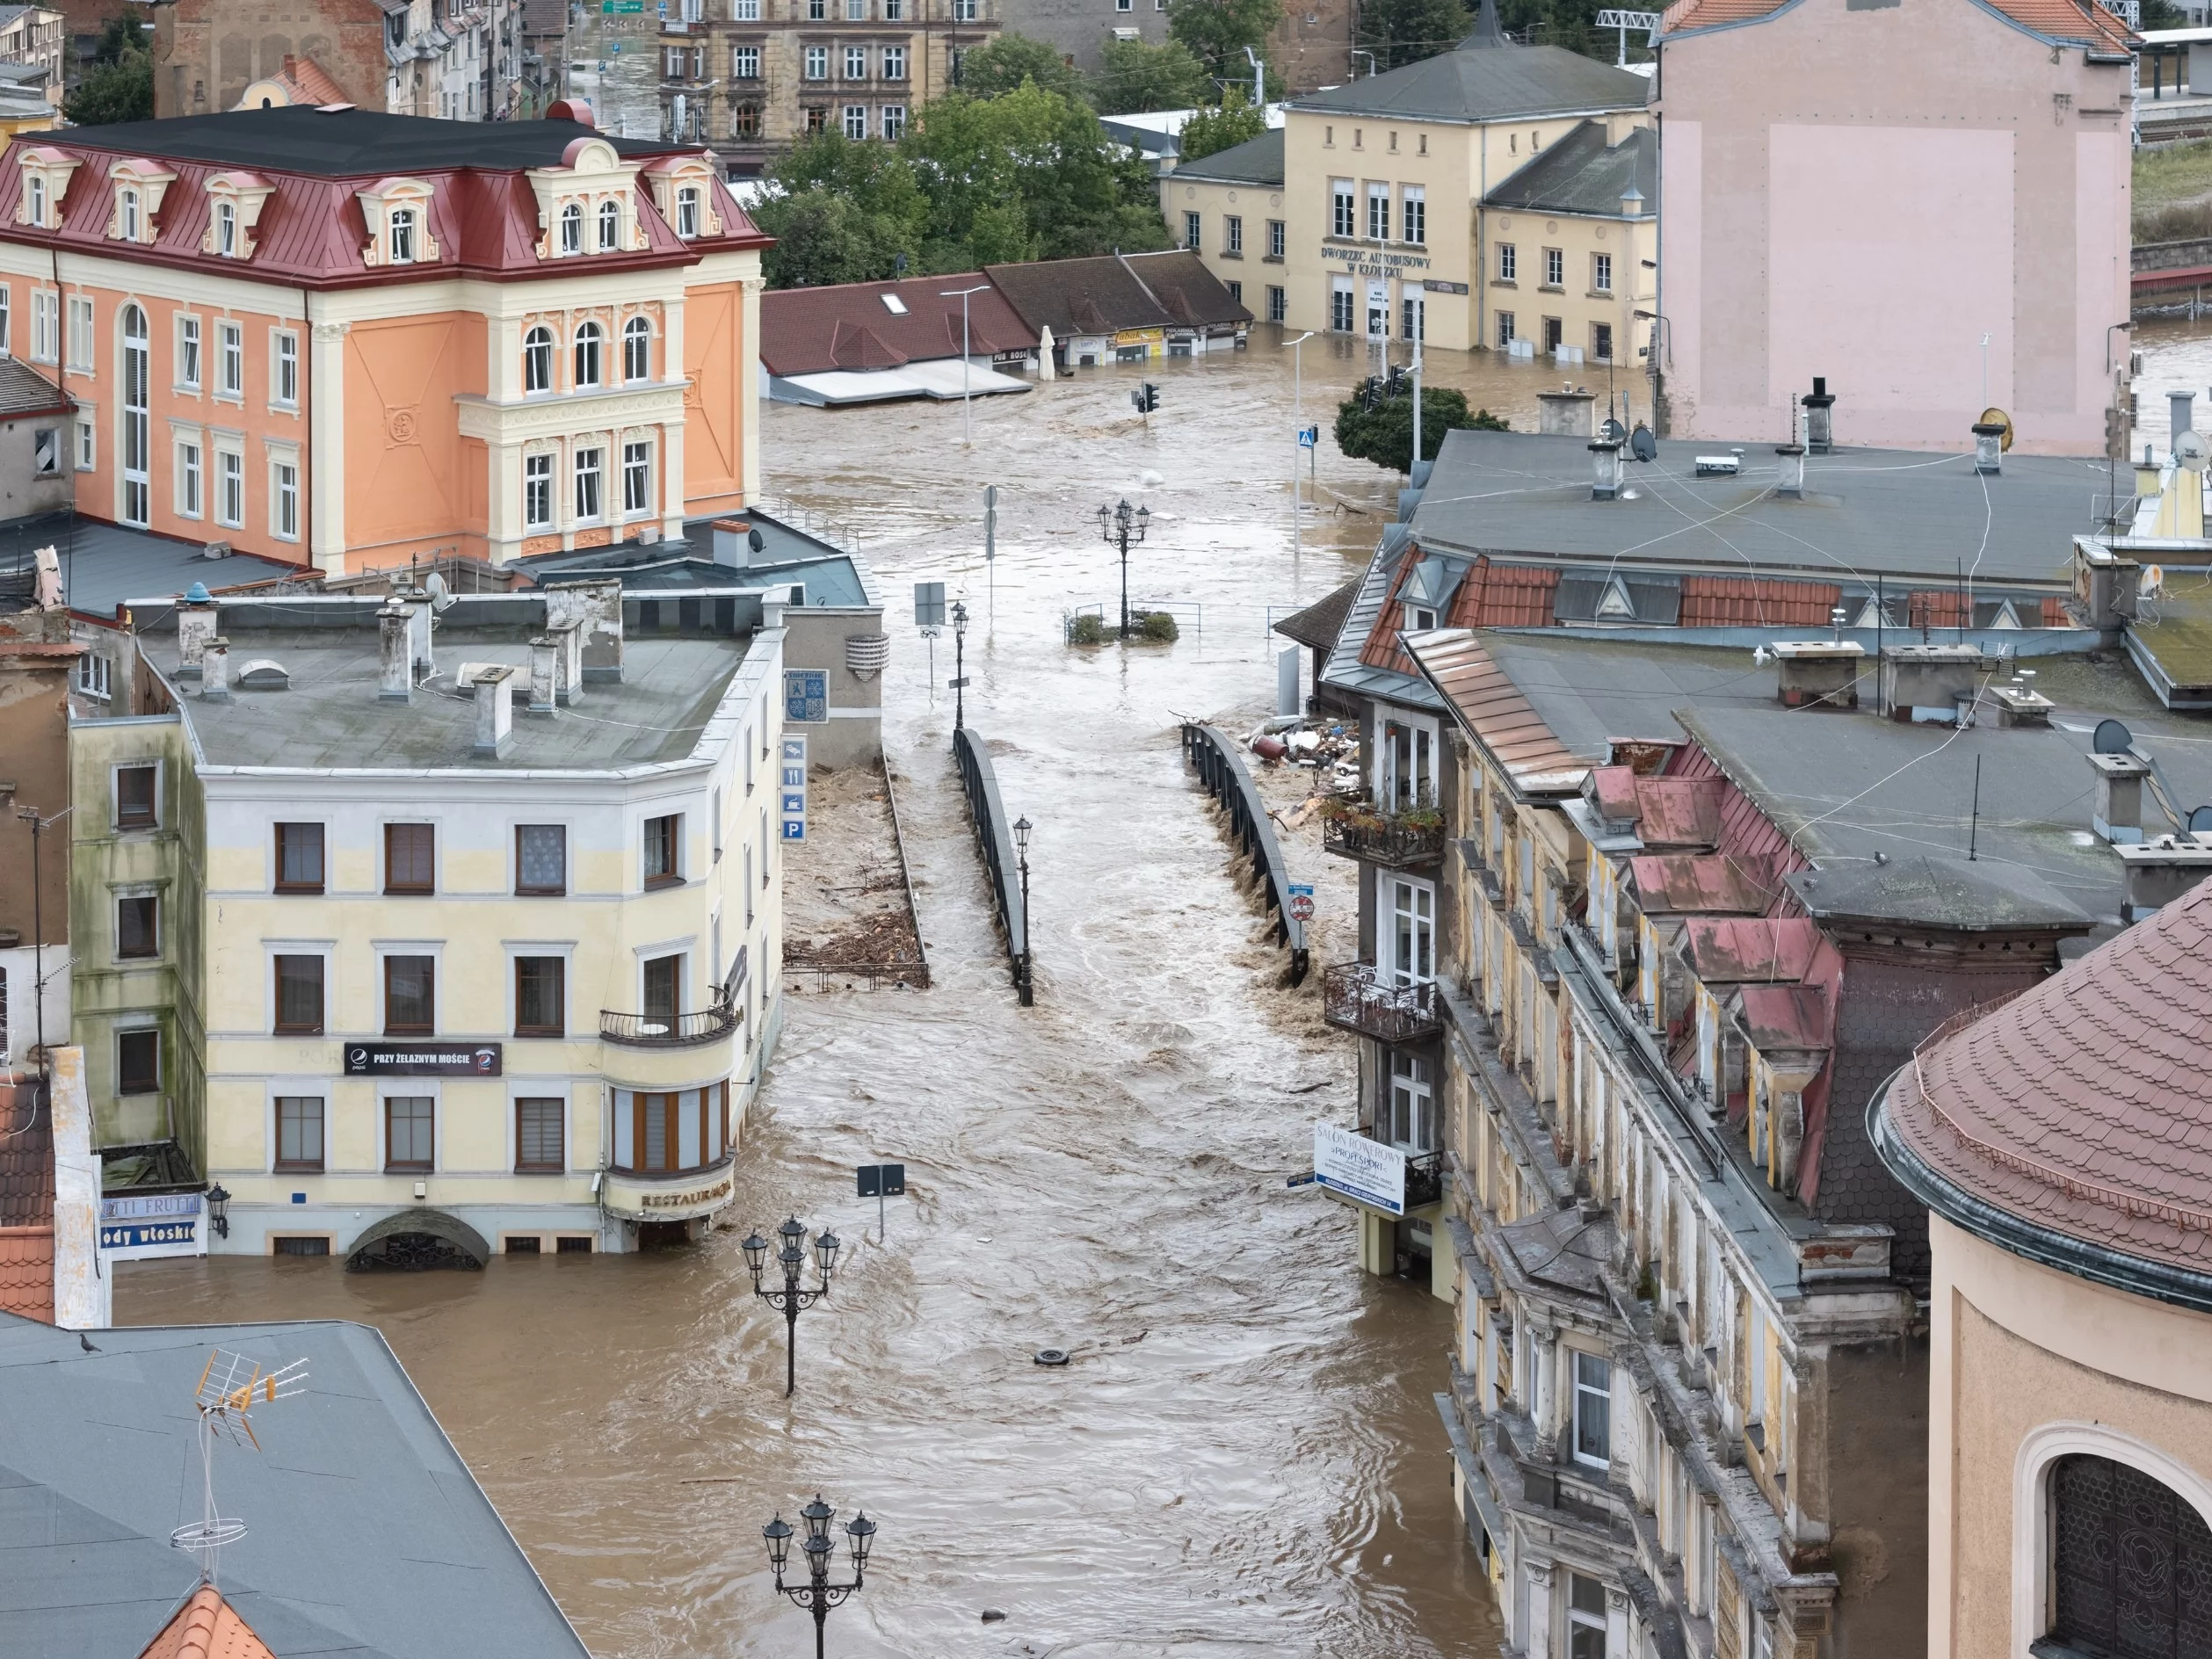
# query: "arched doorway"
(2131, 1565)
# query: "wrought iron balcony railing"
(1355, 997)
(1424, 1173)
(667, 1031)
(1399, 840)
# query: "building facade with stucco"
(1926, 204)
(2057, 1143)
(347, 339)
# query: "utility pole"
(1298, 442)
(966, 432)
(990, 550)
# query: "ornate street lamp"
(1021, 843)
(790, 1299)
(814, 1592)
(1120, 526)
(960, 652)
(218, 1210)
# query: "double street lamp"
(814, 1592)
(791, 1299)
(1120, 525)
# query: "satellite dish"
(1999, 417)
(2111, 738)
(2189, 452)
(1614, 432)
(2151, 583)
(1642, 444)
(440, 600)
(753, 537)
(2199, 818)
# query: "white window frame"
(230, 485)
(226, 229)
(1411, 1103)
(92, 674)
(1378, 220)
(192, 477)
(1414, 227)
(1423, 759)
(188, 363)
(744, 63)
(1508, 262)
(596, 472)
(856, 63)
(1233, 235)
(895, 63)
(855, 121)
(894, 122)
(1599, 1395)
(402, 225)
(610, 227)
(88, 451)
(230, 361)
(637, 467)
(687, 214)
(815, 63)
(1554, 267)
(572, 229)
(596, 340)
(637, 351)
(1344, 208)
(1411, 911)
(284, 368)
(7, 337)
(537, 482)
(46, 325)
(1577, 1619)
(80, 344)
(284, 495)
(1601, 273)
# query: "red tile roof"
(1711, 602)
(2078, 20)
(1679, 812)
(2084, 1105)
(1688, 882)
(1505, 596)
(847, 326)
(1736, 950)
(206, 1626)
(304, 82)
(26, 1158)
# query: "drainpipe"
(1482, 239)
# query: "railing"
(667, 1031)
(1401, 840)
(994, 839)
(1224, 773)
(1355, 998)
(1423, 1172)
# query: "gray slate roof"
(1479, 81)
(1899, 513)
(25, 391)
(367, 1536)
(1582, 174)
(1258, 160)
(104, 565)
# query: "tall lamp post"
(814, 1592)
(960, 653)
(790, 1299)
(1298, 406)
(966, 434)
(1119, 525)
(1021, 843)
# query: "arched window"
(637, 349)
(137, 488)
(610, 227)
(572, 228)
(127, 215)
(537, 360)
(589, 339)
(403, 242)
(687, 212)
(226, 229)
(2130, 1563)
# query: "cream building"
(423, 927)
(1228, 209)
(1385, 182)
(2057, 1144)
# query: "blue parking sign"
(795, 828)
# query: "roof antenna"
(229, 1385)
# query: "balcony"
(1423, 1174)
(668, 1031)
(1355, 829)
(1355, 998)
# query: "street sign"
(620, 7)
(880, 1181)
(960, 684)
(929, 604)
(1301, 902)
(805, 695)
(792, 782)
(1308, 436)
(1367, 1172)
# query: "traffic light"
(1146, 397)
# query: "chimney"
(1929, 684)
(396, 677)
(2178, 419)
(567, 672)
(418, 605)
(495, 713)
(1791, 458)
(1988, 446)
(2118, 814)
(1605, 481)
(1819, 673)
(196, 623)
(594, 608)
(545, 666)
(733, 543)
(2159, 871)
(1820, 420)
(1632, 203)
(214, 671)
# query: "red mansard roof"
(482, 215)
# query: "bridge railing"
(1222, 769)
(995, 841)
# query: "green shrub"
(1160, 626)
(1087, 630)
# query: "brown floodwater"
(1243, 1457)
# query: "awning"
(939, 379)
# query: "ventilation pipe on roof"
(196, 625)
(2118, 814)
(495, 713)
(214, 671)
(545, 659)
(1988, 446)
(396, 661)
(1820, 417)
(1605, 480)
(2178, 419)
(1791, 458)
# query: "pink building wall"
(1861, 190)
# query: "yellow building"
(422, 926)
(1228, 209)
(1390, 229)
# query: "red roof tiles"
(1716, 601)
(1505, 596)
(848, 326)
(1736, 950)
(206, 1626)
(2084, 1105)
(1488, 704)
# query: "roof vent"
(1791, 458)
(1819, 673)
(1604, 457)
(2020, 703)
(2159, 871)
(1930, 684)
(1718, 465)
(264, 674)
(332, 109)
(1988, 445)
(1820, 417)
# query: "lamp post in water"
(1119, 525)
(791, 1300)
(814, 1592)
(960, 675)
(1021, 843)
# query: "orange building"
(344, 338)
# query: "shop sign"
(1445, 288)
(1366, 1171)
(712, 1194)
(156, 1224)
(1140, 337)
(1372, 262)
(422, 1060)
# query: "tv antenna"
(229, 1385)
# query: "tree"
(1376, 423)
(119, 84)
(840, 211)
(1402, 31)
(1002, 64)
(1236, 121)
(1218, 31)
(1137, 75)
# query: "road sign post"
(881, 1181)
(1301, 902)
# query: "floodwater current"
(1243, 1456)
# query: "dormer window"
(572, 228)
(127, 215)
(46, 182)
(402, 241)
(235, 201)
(610, 227)
(226, 229)
(687, 212)
(396, 215)
(139, 186)
(34, 200)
